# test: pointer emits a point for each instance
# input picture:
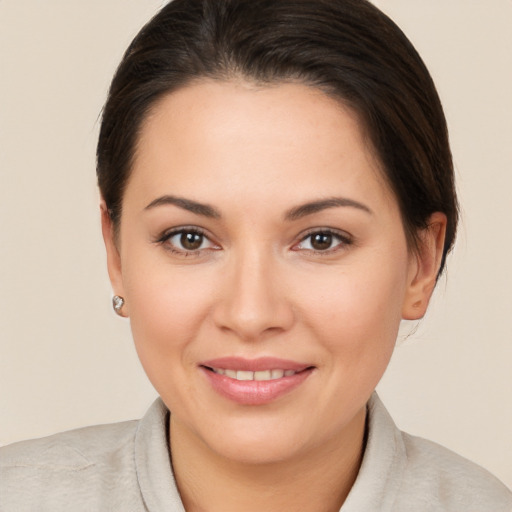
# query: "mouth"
(261, 375)
(257, 381)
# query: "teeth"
(264, 375)
(242, 375)
(277, 374)
(258, 376)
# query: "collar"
(376, 486)
(382, 468)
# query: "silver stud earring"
(117, 304)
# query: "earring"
(117, 304)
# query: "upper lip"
(255, 365)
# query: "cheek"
(357, 311)
(167, 309)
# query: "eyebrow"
(187, 204)
(317, 206)
(295, 213)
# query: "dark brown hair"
(347, 48)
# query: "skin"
(257, 286)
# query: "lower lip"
(255, 392)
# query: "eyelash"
(344, 240)
(165, 238)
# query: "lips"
(254, 381)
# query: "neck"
(318, 480)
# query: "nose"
(254, 302)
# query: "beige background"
(67, 361)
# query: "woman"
(277, 194)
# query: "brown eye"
(324, 241)
(191, 241)
(187, 241)
(321, 241)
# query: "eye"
(186, 241)
(323, 241)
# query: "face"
(264, 267)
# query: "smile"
(254, 381)
(261, 375)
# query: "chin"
(258, 449)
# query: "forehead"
(242, 136)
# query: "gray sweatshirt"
(126, 467)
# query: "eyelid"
(345, 239)
(166, 235)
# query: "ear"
(113, 255)
(424, 268)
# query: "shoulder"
(454, 483)
(60, 468)
(400, 473)
(74, 449)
